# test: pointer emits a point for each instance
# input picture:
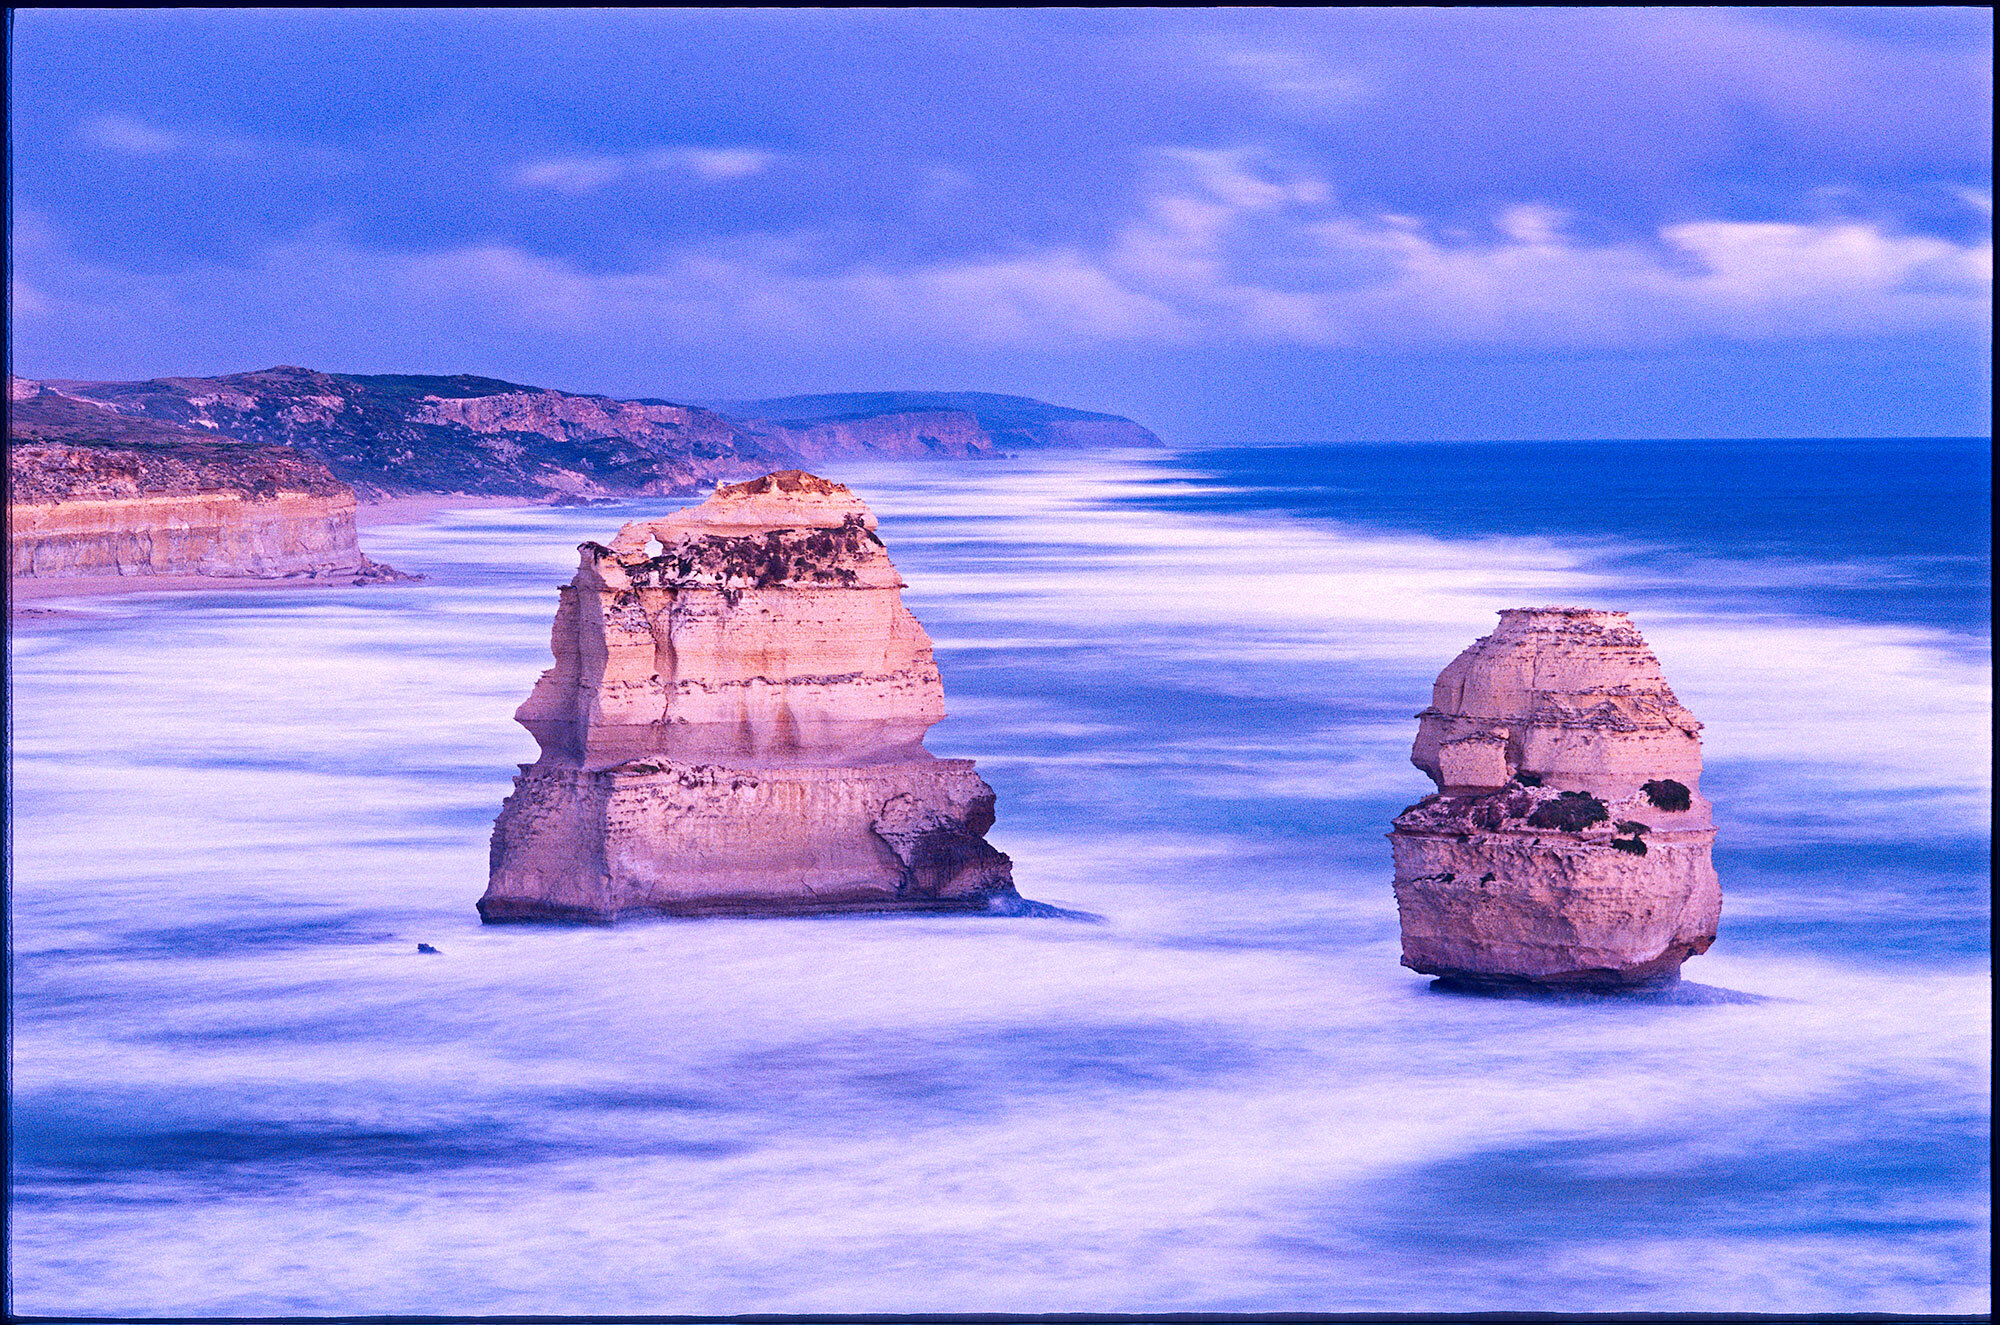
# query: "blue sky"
(1233, 225)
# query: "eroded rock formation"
(1569, 842)
(735, 724)
(94, 493)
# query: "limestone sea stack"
(735, 724)
(1568, 843)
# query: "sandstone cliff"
(95, 493)
(1569, 843)
(734, 724)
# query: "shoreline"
(26, 589)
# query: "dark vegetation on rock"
(1667, 794)
(776, 556)
(1571, 812)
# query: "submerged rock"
(1569, 842)
(735, 724)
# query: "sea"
(238, 1088)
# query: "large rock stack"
(1568, 844)
(734, 725)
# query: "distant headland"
(256, 475)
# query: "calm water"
(238, 1089)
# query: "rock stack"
(735, 724)
(1568, 843)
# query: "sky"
(1234, 225)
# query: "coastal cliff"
(735, 724)
(902, 434)
(395, 435)
(1569, 842)
(388, 435)
(92, 493)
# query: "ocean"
(238, 1089)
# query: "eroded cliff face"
(734, 724)
(95, 494)
(902, 434)
(1569, 843)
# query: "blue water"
(1190, 678)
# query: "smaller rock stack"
(1568, 844)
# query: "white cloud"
(997, 302)
(121, 133)
(27, 301)
(718, 162)
(1292, 78)
(586, 174)
(570, 174)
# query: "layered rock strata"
(1569, 843)
(734, 725)
(94, 494)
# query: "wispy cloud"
(586, 174)
(1979, 200)
(134, 137)
(1293, 78)
(1604, 81)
